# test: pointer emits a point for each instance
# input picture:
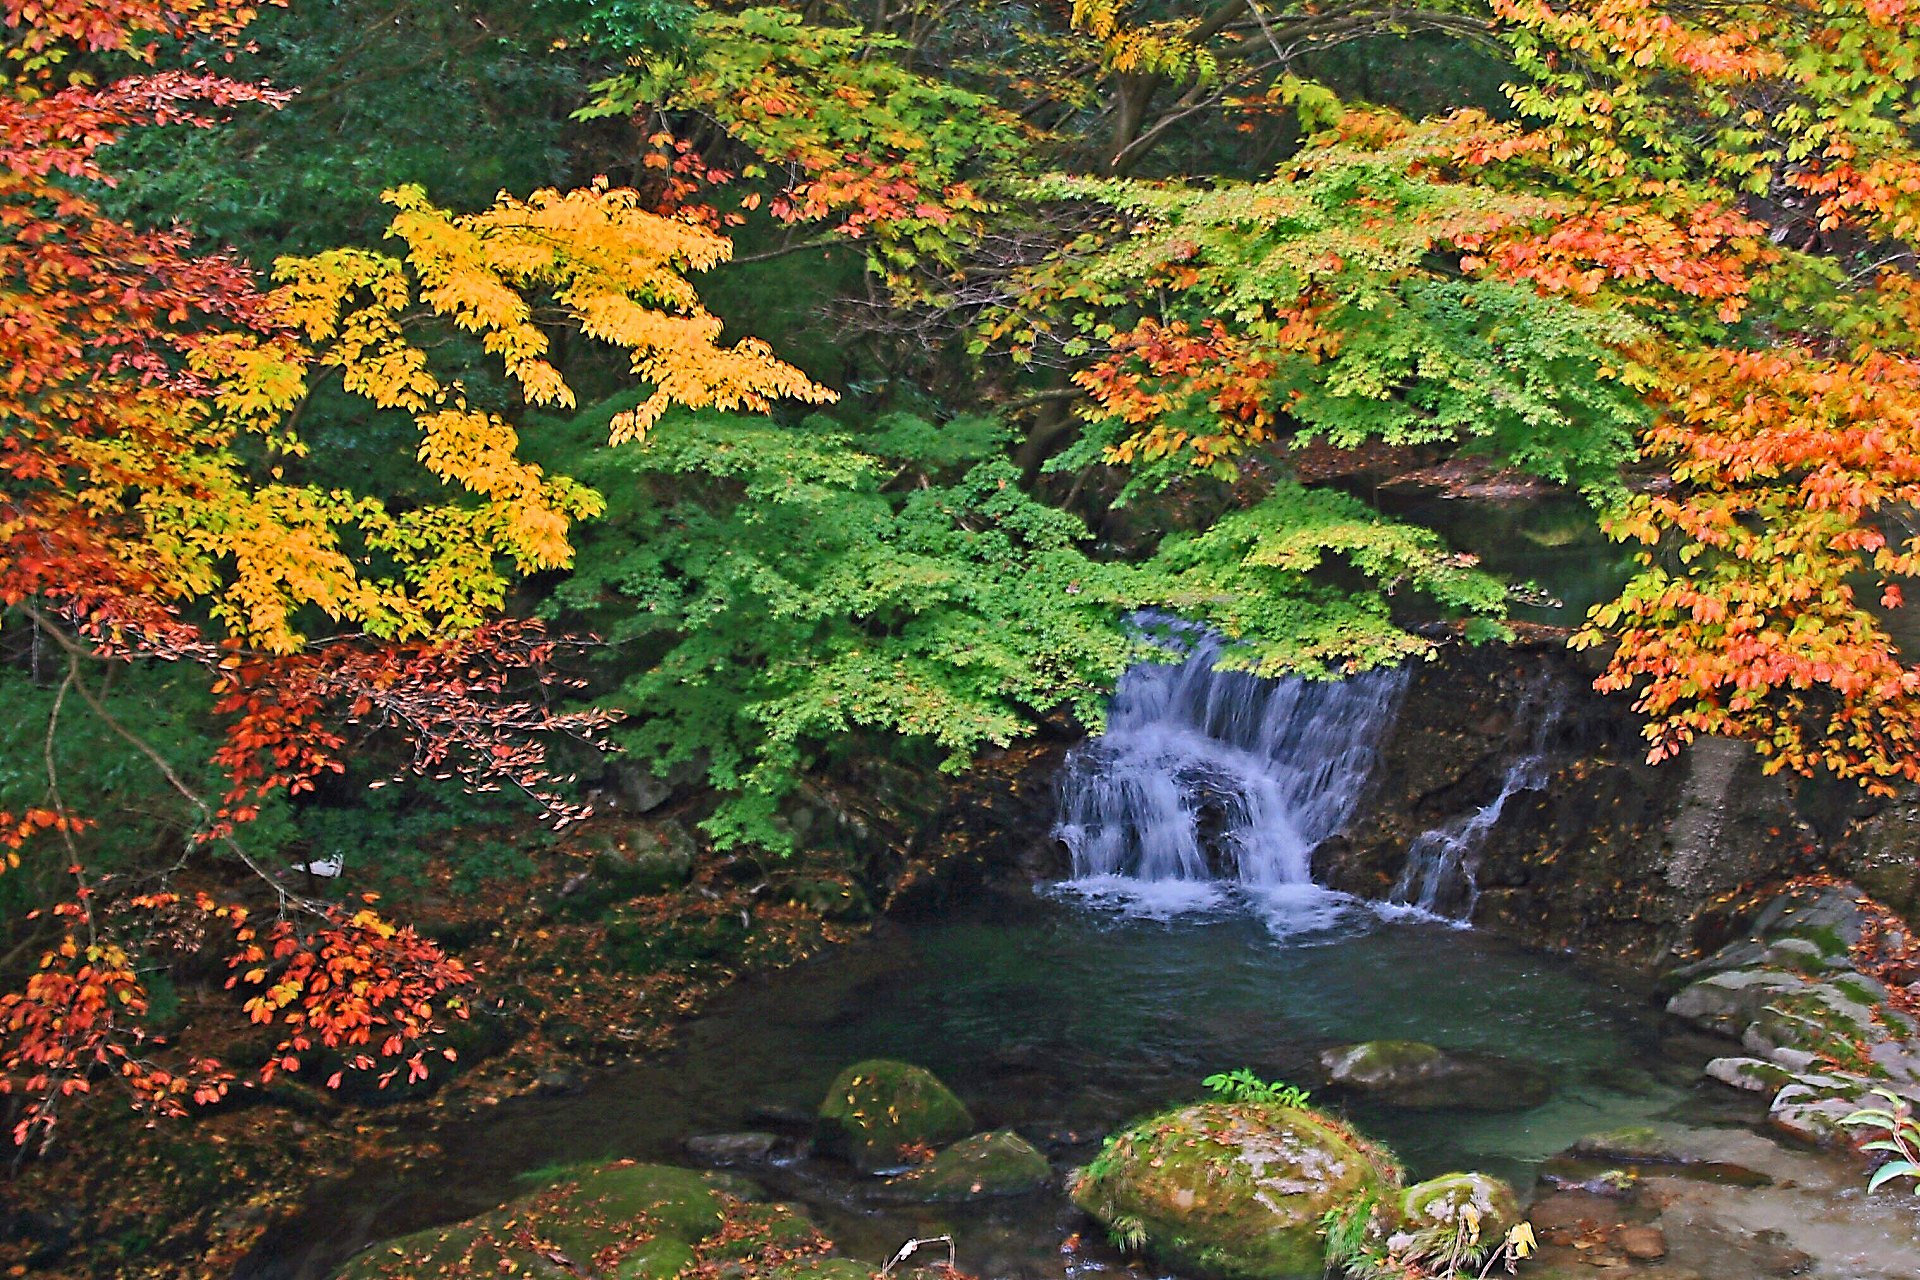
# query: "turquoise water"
(1066, 1021)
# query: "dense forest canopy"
(395, 387)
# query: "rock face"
(1407, 1073)
(1233, 1191)
(624, 1220)
(875, 1108)
(1818, 1034)
(1612, 856)
(977, 1168)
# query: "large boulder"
(624, 1220)
(1233, 1190)
(875, 1110)
(1407, 1073)
(977, 1168)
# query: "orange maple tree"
(1772, 142)
(150, 514)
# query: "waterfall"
(1208, 783)
(1438, 881)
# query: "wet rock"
(1593, 1177)
(1643, 1244)
(1568, 1216)
(983, 1167)
(876, 1108)
(1234, 1191)
(1407, 1073)
(724, 1149)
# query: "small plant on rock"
(1243, 1086)
(1902, 1142)
(1361, 1245)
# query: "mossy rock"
(1453, 1200)
(875, 1108)
(1408, 1073)
(1233, 1190)
(626, 1221)
(977, 1168)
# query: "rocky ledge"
(1803, 993)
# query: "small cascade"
(1438, 879)
(1207, 781)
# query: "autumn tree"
(154, 513)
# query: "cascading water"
(1438, 881)
(1209, 781)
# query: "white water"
(1212, 787)
(1439, 879)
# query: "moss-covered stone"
(875, 1108)
(620, 1221)
(977, 1168)
(1476, 1204)
(1233, 1190)
(1408, 1073)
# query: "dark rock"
(1612, 857)
(558, 1082)
(639, 788)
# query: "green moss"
(876, 1107)
(640, 1221)
(1823, 936)
(659, 1259)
